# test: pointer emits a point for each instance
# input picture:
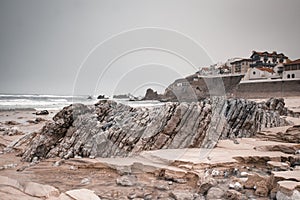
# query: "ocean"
(56, 102)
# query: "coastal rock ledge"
(109, 129)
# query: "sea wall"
(268, 89)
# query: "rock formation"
(109, 129)
(152, 95)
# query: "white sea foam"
(54, 102)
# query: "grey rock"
(282, 196)
(181, 195)
(215, 193)
(127, 180)
(109, 129)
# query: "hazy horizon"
(81, 47)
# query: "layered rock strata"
(109, 129)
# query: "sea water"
(56, 102)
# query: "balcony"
(261, 64)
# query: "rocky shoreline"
(255, 156)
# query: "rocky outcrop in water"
(152, 95)
(108, 129)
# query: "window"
(254, 73)
(293, 75)
(288, 76)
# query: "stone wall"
(268, 89)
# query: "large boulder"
(152, 95)
(109, 129)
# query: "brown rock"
(262, 188)
(234, 195)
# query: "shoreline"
(159, 173)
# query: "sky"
(115, 46)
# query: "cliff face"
(108, 129)
(193, 88)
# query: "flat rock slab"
(285, 175)
(83, 194)
(289, 185)
(39, 190)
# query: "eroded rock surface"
(108, 129)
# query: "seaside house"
(258, 73)
(266, 59)
(291, 70)
(240, 66)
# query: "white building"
(292, 70)
(261, 73)
(266, 59)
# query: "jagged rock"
(277, 105)
(108, 129)
(151, 95)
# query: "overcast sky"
(118, 46)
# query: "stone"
(11, 193)
(58, 163)
(244, 174)
(126, 180)
(282, 196)
(42, 112)
(262, 189)
(234, 195)
(288, 190)
(215, 193)
(161, 187)
(236, 186)
(85, 181)
(83, 194)
(205, 185)
(181, 195)
(39, 190)
(278, 166)
(253, 179)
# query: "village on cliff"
(262, 75)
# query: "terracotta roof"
(274, 53)
(295, 62)
(266, 69)
(242, 60)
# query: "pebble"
(85, 181)
(244, 174)
(73, 167)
